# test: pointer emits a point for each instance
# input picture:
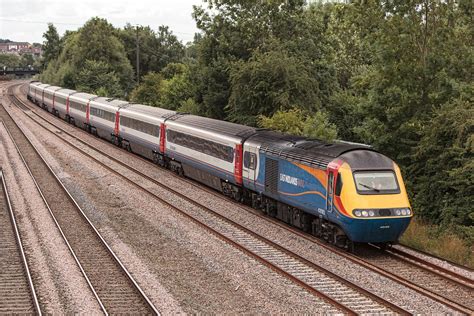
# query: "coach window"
(109, 116)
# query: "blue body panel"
(374, 230)
(296, 186)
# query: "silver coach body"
(49, 96)
(60, 100)
(78, 107)
(140, 128)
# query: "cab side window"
(250, 160)
(338, 184)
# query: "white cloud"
(26, 20)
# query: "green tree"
(51, 45)
(98, 40)
(237, 32)
(269, 82)
(295, 122)
(26, 60)
(149, 91)
(444, 165)
(156, 49)
(417, 53)
(178, 88)
(97, 77)
(9, 60)
(170, 89)
(94, 46)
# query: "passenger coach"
(142, 130)
(60, 104)
(207, 150)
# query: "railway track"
(17, 292)
(339, 295)
(112, 285)
(421, 252)
(452, 287)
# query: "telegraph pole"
(138, 58)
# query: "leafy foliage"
(444, 165)
(94, 46)
(269, 82)
(97, 77)
(150, 91)
(156, 49)
(9, 60)
(169, 89)
(51, 45)
(295, 122)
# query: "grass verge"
(431, 239)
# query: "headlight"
(371, 213)
(398, 212)
(408, 211)
(357, 213)
(365, 213)
(404, 212)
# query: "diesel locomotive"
(342, 192)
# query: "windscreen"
(374, 182)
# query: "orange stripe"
(303, 193)
(317, 173)
(340, 207)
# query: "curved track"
(112, 285)
(17, 292)
(342, 295)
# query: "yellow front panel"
(352, 200)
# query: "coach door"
(249, 170)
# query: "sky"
(26, 20)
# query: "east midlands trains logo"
(291, 180)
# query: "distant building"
(20, 48)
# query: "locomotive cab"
(370, 197)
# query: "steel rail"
(9, 206)
(55, 221)
(425, 265)
(434, 266)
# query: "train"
(345, 193)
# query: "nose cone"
(377, 230)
